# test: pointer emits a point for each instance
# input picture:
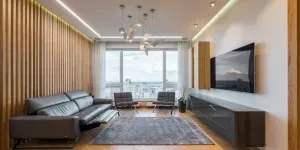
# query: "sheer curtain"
(99, 69)
(183, 69)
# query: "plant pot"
(182, 106)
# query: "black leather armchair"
(165, 99)
(124, 99)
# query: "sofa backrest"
(35, 104)
(84, 102)
(76, 94)
(62, 109)
(81, 98)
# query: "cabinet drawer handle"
(213, 107)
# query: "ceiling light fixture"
(219, 15)
(146, 35)
(77, 17)
(131, 30)
(144, 43)
(139, 24)
(212, 4)
(196, 25)
(122, 29)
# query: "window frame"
(121, 50)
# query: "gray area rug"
(151, 131)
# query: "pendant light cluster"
(129, 36)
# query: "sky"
(141, 68)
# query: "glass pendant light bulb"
(140, 23)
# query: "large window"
(142, 75)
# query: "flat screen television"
(234, 70)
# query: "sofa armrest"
(44, 127)
(103, 101)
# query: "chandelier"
(128, 35)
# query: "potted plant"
(182, 102)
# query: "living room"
(149, 74)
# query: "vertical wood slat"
(192, 67)
(40, 55)
(8, 69)
(203, 64)
(2, 65)
(293, 74)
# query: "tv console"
(242, 126)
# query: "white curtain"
(99, 69)
(182, 65)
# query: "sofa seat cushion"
(91, 112)
(84, 102)
(63, 109)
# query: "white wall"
(265, 23)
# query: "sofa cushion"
(76, 94)
(63, 109)
(35, 104)
(91, 112)
(84, 102)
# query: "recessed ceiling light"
(212, 4)
(77, 17)
(196, 25)
(219, 15)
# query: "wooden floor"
(87, 137)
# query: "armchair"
(124, 99)
(165, 99)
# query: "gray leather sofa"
(60, 116)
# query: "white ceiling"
(172, 17)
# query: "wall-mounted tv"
(234, 70)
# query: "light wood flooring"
(87, 137)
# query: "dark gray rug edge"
(111, 123)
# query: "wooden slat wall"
(294, 74)
(193, 68)
(40, 55)
(203, 65)
(204, 62)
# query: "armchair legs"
(173, 108)
(131, 106)
(135, 109)
(154, 109)
(118, 111)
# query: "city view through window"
(142, 75)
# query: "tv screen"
(234, 70)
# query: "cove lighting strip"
(219, 15)
(77, 17)
(53, 15)
(139, 37)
